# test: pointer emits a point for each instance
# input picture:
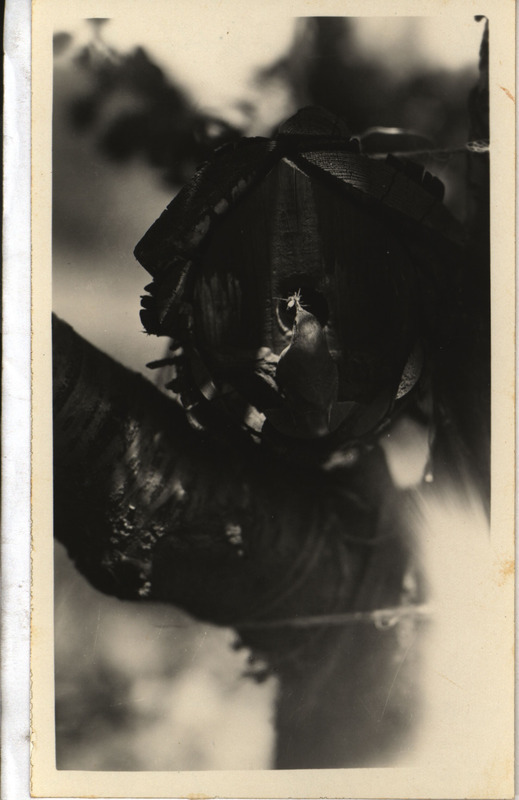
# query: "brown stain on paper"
(508, 93)
(506, 571)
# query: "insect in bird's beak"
(294, 300)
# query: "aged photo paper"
(153, 671)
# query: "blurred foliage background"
(136, 107)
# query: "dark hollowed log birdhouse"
(304, 282)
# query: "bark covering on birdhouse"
(366, 244)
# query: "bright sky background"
(215, 62)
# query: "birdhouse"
(364, 242)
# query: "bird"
(306, 375)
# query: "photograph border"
(438, 780)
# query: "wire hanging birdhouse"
(304, 283)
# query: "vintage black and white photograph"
(272, 359)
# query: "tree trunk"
(150, 509)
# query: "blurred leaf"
(60, 42)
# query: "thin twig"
(380, 617)
(471, 147)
